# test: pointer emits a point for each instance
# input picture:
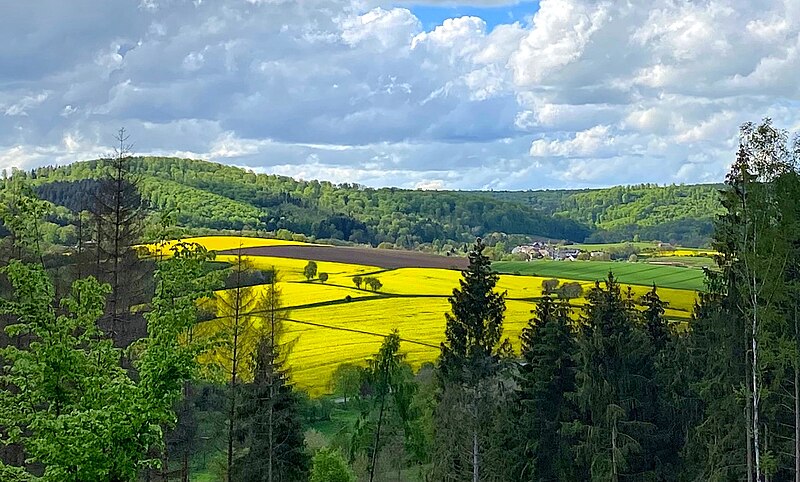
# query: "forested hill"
(682, 214)
(215, 196)
(210, 195)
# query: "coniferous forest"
(108, 371)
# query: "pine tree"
(615, 392)
(269, 417)
(545, 384)
(470, 358)
(118, 213)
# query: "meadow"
(625, 272)
(335, 322)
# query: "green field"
(630, 273)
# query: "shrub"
(310, 270)
(550, 286)
(328, 465)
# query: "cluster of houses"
(539, 250)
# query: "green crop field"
(631, 273)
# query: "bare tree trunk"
(796, 409)
(754, 371)
(475, 447)
(271, 436)
(475, 466)
(748, 412)
(237, 302)
(272, 319)
(377, 440)
(614, 474)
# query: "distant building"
(543, 250)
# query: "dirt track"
(384, 258)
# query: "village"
(566, 252)
(541, 250)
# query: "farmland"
(630, 273)
(336, 322)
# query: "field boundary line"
(362, 332)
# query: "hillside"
(678, 214)
(222, 197)
(214, 196)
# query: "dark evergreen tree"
(470, 361)
(269, 416)
(118, 212)
(655, 323)
(545, 384)
(615, 391)
(472, 346)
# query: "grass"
(326, 329)
(689, 261)
(629, 273)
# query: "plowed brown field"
(384, 258)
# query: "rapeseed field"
(334, 322)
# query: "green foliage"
(570, 290)
(323, 277)
(310, 271)
(328, 465)
(224, 197)
(676, 213)
(357, 281)
(549, 286)
(545, 383)
(615, 393)
(67, 400)
(346, 381)
(472, 347)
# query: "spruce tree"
(545, 384)
(118, 213)
(269, 417)
(615, 392)
(471, 350)
(655, 323)
(470, 358)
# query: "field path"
(384, 258)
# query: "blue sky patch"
(431, 15)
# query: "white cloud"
(20, 108)
(560, 32)
(584, 93)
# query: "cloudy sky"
(469, 94)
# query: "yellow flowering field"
(220, 243)
(326, 329)
(291, 269)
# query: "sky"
(427, 94)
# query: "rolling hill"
(218, 197)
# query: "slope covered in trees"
(210, 195)
(216, 196)
(676, 213)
